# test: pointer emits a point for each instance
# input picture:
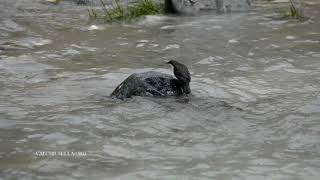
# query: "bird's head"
(172, 62)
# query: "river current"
(254, 112)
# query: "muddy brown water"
(254, 112)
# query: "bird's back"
(181, 72)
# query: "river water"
(254, 112)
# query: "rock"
(181, 6)
(78, 2)
(220, 6)
(84, 2)
(169, 7)
(154, 84)
(53, 1)
(195, 6)
(237, 5)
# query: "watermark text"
(61, 153)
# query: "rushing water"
(254, 112)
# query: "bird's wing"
(182, 75)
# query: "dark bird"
(192, 2)
(182, 74)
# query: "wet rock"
(154, 84)
(219, 6)
(81, 2)
(195, 6)
(182, 6)
(169, 7)
(78, 2)
(232, 5)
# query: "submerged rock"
(154, 84)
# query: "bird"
(192, 2)
(182, 74)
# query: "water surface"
(253, 113)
